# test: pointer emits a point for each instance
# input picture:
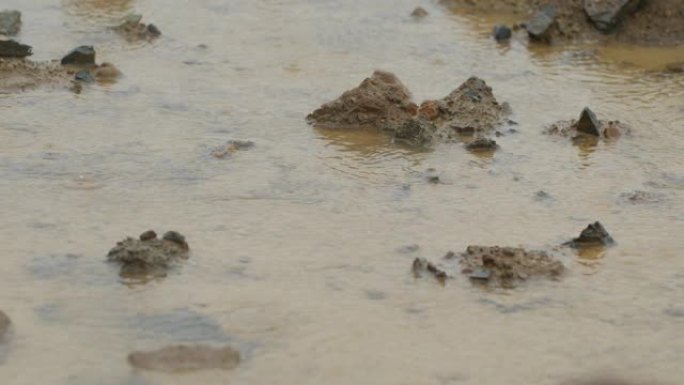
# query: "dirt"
(149, 255)
(21, 74)
(657, 22)
(133, 30)
(507, 266)
(383, 103)
(185, 358)
(4, 324)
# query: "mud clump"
(148, 255)
(180, 358)
(588, 125)
(593, 235)
(422, 265)
(133, 30)
(10, 23)
(507, 266)
(5, 323)
(651, 22)
(378, 101)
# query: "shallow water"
(297, 243)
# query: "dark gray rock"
(502, 33)
(84, 76)
(607, 14)
(538, 28)
(153, 30)
(10, 22)
(10, 48)
(83, 55)
(588, 123)
(593, 235)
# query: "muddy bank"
(382, 103)
(647, 22)
(185, 358)
(148, 255)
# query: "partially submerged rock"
(231, 147)
(4, 324)
(13, 49)
(593, 235)
(508, 266)
(539, 26)
(482, 144)
(185, 358)
(148, 255)
(607, 14)
(589, 125)
(80, 56)
(419, 13)
(502, 33)
(378, 101)
(133, 30)
(422, 265)
(10, 22)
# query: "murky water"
(297, 243)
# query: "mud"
(132, 29)
(383, 103)
(149, 255)
(179, 358)
(421, 266)
(508, 266)
(4, 325)
(20, 74)
(658, 22)
(589, 125)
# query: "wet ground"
(299, 254)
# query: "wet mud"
(182, 358)
(149, 255)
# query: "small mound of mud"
(469, 109)
(133, 30)
(185, 358)
(20, 74)
(507, 266)
(4, 324)
(148, 255)
(589, 126)
(378, 101)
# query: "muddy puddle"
(302, 244)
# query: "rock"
(588, 123)
(507, 266)
(377, 102)
(419, 13)
(677, 67)
(133, 30)
(421, 265)
(471, 108)
(607, 14)
(84, 76)
(593, 235)
(502, 33)
(417, 132)
(233, 146)
(538, 28)
(148, 255)
(185, 358)
(13, 49)
(542, 195)
(10, 23)
(83, 55)
(4, 324)
(482, 144)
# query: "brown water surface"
(297, 242)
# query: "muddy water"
(297, 242)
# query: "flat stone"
(10, 23)
(13, 49)
(607, 14)
(502, 33)
(178, 358)
(588, 123)
(83, 55)
(540, 24)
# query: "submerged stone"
(588, 123)
(83, 55)
(538, 28)
(178, 358)
(84, 76)
(419, 12)
(593, 235)
(10, 23)
(231, 147)
(502, 33)
(607, 14)
(13, 49)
